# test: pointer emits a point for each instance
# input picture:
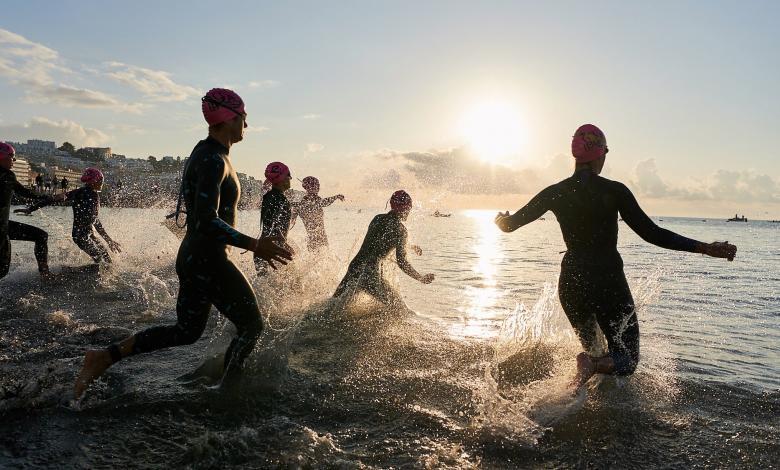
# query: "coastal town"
(130, 182)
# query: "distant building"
(23, 172)
(103, 153)
(35, 147)
(168, 160)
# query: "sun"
(494, 130)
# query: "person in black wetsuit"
(86, 208)
(10, 230)
(592, 286)
(386, 233)
(310, 210)
(275, 212)
(207, 276)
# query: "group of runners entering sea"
(592, 286)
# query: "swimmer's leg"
(28, 233)
(192, 310)
(236, 300)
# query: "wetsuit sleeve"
(99, 227)
(328, 201)
(400, 255)
(208, 183)
(635, 217)
(535, 208)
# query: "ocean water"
(470, 373)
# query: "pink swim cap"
(588, 144)
(311, 184)
(92, 175)
(7, 149)
(400, 201)
(220, 105)
(276, 172)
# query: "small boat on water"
(737, 218)
(439, 214)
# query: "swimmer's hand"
(416, 249)
(25, 211)
(427, 279)
(267, 248)
(114, 246)
(719, 250)
(502, 221)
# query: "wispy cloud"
(263, 84)
(311, 117)
(314, 147)
(32, 66)
(156, 85)
(58, 131)
(256, 129)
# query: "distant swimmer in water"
(10, 230)
(386, 233)
(310, 210)
(592, 286)
(206, 274)
(275, 213)
(86, 207)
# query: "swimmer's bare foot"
(585, 370)
(95, 363)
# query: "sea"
(470, 371)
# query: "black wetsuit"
(86, 208)
(275, 215)
(10, 230)
(310, 211)
(592, 286)
(210, 190)
(385, 233)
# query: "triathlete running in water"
(386, 233)
(310, 209)
(592, 286)
(86, 208)
(207, 276)
(10, 230)
(275, 213)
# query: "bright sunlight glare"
(494, 130)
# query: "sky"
(466, 104)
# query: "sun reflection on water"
(481, 296)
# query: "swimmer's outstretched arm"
(330, 200)
(535, 208)
(639, 222)
(113, 245)
(406, 267)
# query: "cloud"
(314, 147)
(155, 85)
(251, 129)
(721, 185)
(311, 117)
(263, 84)
(58, 131)
(32, 66)
(68, 96)
(458, 171)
